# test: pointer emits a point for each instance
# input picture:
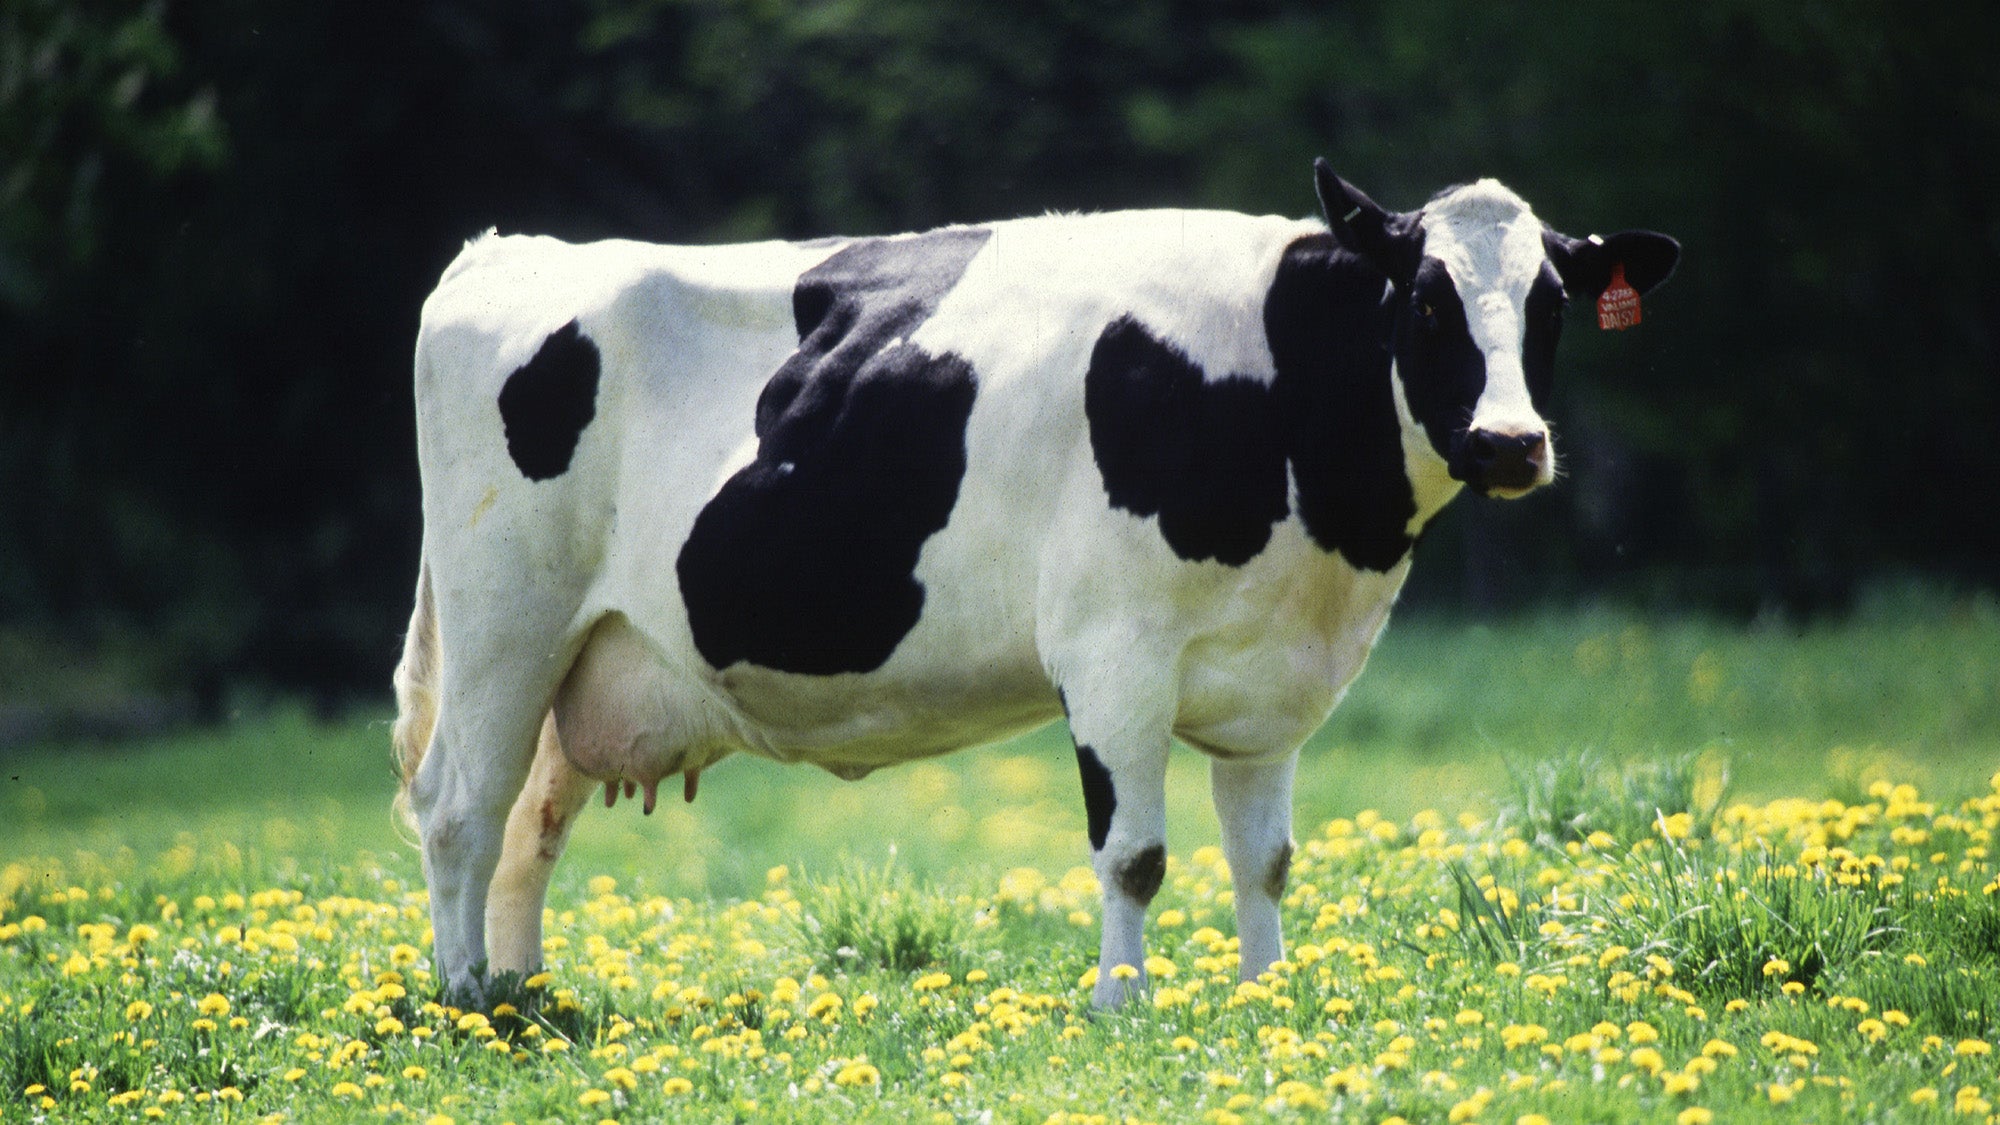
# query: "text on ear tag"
(1618, 305)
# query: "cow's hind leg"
(537, 831)
(470, 778)
(1123, 766)
(1253, 800)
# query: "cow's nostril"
(1481, 445)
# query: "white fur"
(1491, 243)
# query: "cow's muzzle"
(1506, 464)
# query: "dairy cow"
(858, 501)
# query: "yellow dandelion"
(676, 1086)
(1973, 1047)
(213, 1004)
(857, 1073)
(1693, 1115)
(1674, 1085)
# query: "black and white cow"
(859, 501)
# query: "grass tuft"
(1566, 796)
(882, 917)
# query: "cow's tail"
(416, 694)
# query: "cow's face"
(1478, 287)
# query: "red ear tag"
(1618, 305)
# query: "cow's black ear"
(1585, 264)
(1391, 242)
(1649, 257)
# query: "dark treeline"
(218, 221)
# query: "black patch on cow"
(1330, 327)
(1544, 314)
(1280, 872)
(1443, 371)
(1099, 799)
(1210, 456)
(547, 402)
(804, 560)
(1200, 455)
(1140, 877)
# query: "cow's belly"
(633, 709)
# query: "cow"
(858, 501)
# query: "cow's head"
(1478, 287)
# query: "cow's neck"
(1431, 483)
(1362, 470)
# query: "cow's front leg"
(1125, 803)
(1253, 800)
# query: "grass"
(1519, 891)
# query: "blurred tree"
(87, 93)
(218, 223)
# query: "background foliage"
(218, 221)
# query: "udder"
(616, 720)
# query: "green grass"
(1524, 925)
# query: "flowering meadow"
(1795, 960)
(224, 925)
